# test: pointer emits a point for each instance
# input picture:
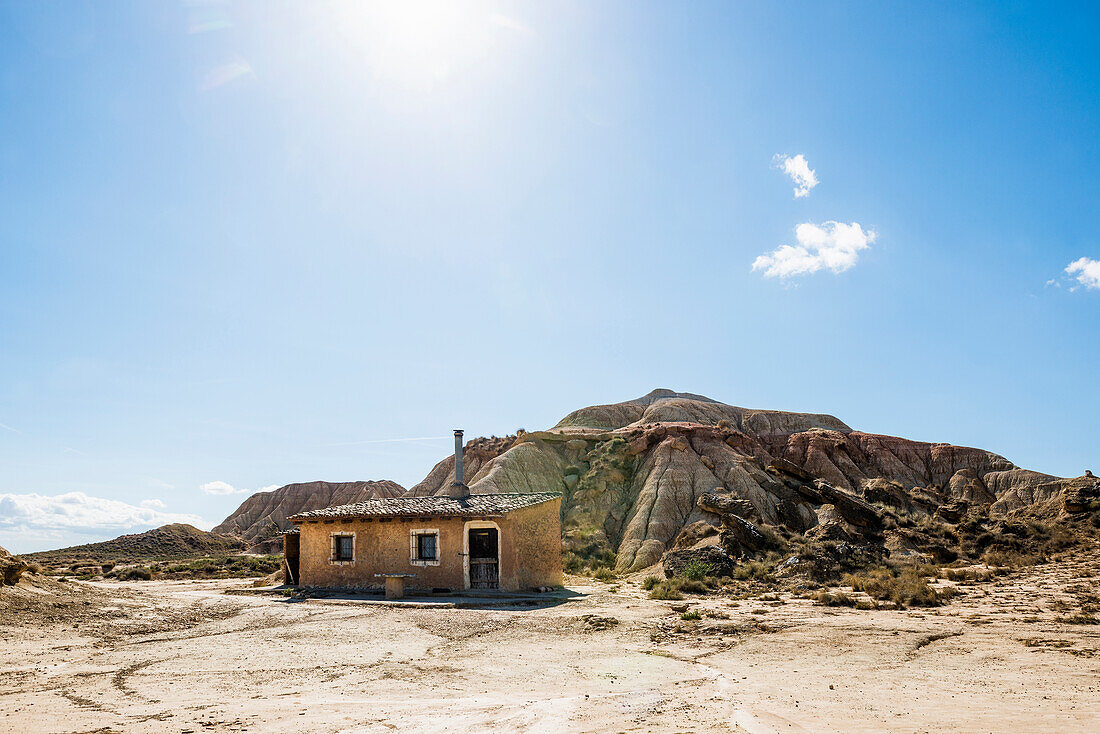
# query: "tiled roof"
(475, 504)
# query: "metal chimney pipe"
(458, 456)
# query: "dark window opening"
(344, 548)
(426, 549)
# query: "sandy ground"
(187, 657)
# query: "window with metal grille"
(426, 547)
(343, 547)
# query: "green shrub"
(691, 616)
(696, 570)
(604, 574)
(649, 582)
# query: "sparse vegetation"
(904, 588)
(838, 599)
(136, 573)
(665, 591)
(649, 582)
(691, 616)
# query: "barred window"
(426, 547)
(343, 547)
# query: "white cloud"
(1086, 271)
(831, 246)
(34, 513)
(219, 487)
(799, 171)
(153, 504)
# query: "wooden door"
(484, 559)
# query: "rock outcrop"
(11, 568)
(641, 477)
(262, 517)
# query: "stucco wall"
(529, 551)
(536, 547)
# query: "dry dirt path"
(185, 657)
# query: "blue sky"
(246, 244)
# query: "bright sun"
(420, 43)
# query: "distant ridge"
(177, 540)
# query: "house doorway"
(484, 558)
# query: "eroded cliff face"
(263, 516)
(642, 477)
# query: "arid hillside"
(263, 516)
(175, 541)
(676, 471)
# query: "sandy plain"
(189, 657)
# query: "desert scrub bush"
(908, 588)
(696, 570)
(585, 550)
(1009, 559)
(1081, 619)
(692, 586)
(138, 573)
(755, 569)
(691, 616)
(839, 599)
(665, 591)
(968, 574)
(604, 574)
(649, 582)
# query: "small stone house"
(460, 541)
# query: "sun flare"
(420, 43)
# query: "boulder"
(720, 562)
(954, 512)
(724, 504)
(851, 508)
(740, 537)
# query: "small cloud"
(799, 171)
(832, 246)
(236, 69)
(153, 504)
(9, 428)
(35, 513)
(219, 487)
(1085, 271)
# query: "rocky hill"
(263, 516)
(677, 471)
(177, 540)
